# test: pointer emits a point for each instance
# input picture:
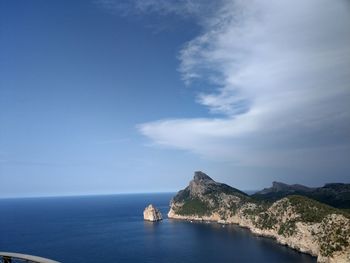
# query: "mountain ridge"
(296, 221)
(333, 194)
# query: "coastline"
(296, 221)
(307, 246)
(219, 222)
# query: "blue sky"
(109, 96)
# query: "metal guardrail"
(7, 257)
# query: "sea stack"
(152, 214)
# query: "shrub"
(194, 206)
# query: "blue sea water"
(111, 229)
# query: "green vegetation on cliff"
(335, 237)
(291, 217)
(194, 207)
(335, 194)
(288, 228)
(312, 211)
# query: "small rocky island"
(297, 221)
(152, 214)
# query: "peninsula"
(297, 221)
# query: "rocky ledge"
(296, 221)
(151, 213)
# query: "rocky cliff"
(299, 222)
(337, 195)
(151, 213)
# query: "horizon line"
(83, 195)
(98, 194)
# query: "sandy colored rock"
(152, 214)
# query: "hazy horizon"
(49, 195)
(133, 96)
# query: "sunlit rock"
(151, 213)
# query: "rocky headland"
(296, 221)
(152, 214)
(336, 194)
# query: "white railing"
(7, 257)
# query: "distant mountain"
(335, 194)
(202, 184)
(297, 221)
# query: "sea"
(93, 229)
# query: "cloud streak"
(197, 9)
(280, 74)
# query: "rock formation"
(296, 221)
(337, 195)
(151, 213)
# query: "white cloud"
(282, 69)
(280, 72)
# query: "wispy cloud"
(197, 9)
(280, 72)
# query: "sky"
(128, 96)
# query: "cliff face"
(152, 214)
(296, 221)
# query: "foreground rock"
(296, 221)
(152, 214)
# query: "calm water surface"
(111, 229)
